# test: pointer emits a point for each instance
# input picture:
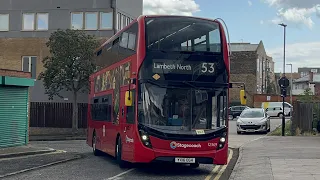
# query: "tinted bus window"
(123, 46)
(182, 34)
(101, 108)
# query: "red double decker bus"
(162, 92)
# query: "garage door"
(13, 116)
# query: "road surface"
(103, 168)
(236, 140)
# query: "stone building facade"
(249, 65)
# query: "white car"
(274, 109)
(253, 120)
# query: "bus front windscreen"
(181, 109)
(182, 34)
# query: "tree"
(271, 89)
(69, 65)
(306, 96)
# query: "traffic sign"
(283, 82)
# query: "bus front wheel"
(122, 164)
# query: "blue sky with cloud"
(255, 20)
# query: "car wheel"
(280, 115)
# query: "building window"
(118, 21)
(29, 64)
(77, 20)
(91, 21)
(106, 20)
(128, 21)
(35, 21)
(42, 21)
(4, 22)
(123, 21)
(28, 21)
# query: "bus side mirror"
(128, 98)
(243, 98)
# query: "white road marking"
(117, 176)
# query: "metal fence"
(57, 115)
(305, 116)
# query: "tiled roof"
(303, 79)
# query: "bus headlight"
(222, 140)
(145, 138)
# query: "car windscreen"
(252, 114)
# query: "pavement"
(15, 160)
(279, 158)
(56, 137)
(23, 151)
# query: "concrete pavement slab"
(12, 166)
(56, 137)
(279, 158)
(23, 151)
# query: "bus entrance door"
(127, 126)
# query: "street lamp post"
(284, 48)
(290, 84)
(283, 75)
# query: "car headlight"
(239, 122)
(263, 121)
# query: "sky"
(251, 21)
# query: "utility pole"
(284, 79)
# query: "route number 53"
(207, 67)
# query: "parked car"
(274, 109)
(235, 111)
(253, 120)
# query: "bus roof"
(142, 17)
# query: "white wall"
(299, 88)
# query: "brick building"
(251, 65)
(25, 27)
(304, 71)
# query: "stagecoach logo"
(174, 145)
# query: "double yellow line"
(216, 168)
